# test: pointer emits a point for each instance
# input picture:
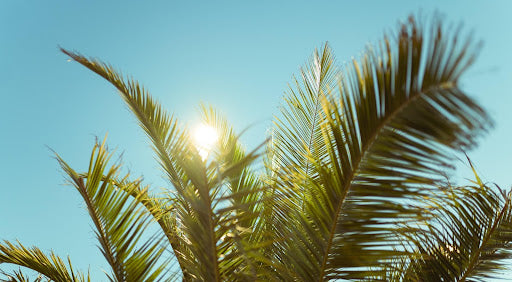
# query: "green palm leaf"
(389, 135)
(400, 117)
(296, 142)
(120, 222)
(205, 239)
(52, 266)
(468, 236)
(170, 144)
(18, 276)
(297, 135)
(241, 200)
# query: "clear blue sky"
(237, 55)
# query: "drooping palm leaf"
(160, 127)
(52, 266)
(170, 144)
(402, 115)
(18, 276)
(389, 135)
(120, 222)
(202, 227)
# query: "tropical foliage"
(351, 183)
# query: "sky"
(238, 56)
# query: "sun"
(205, 137)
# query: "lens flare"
(205, 137)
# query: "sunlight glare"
(205, 137)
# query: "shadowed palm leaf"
(468, 236)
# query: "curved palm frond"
(159, 206)
(392, 134)
(160, 127)
(52, 266)
(169, 143)
(18, 276)
(389, 135)
(213, 209)
(202, 227)
(469, 236)
(234, 166)
(120, 222)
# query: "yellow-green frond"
(120, 222)
(50, 266)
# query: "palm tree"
(353, 184)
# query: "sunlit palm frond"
(242, 200)
(170, 143)
(234, 166)
(296, 142)
(52, 266)
(201, 241)
(210, 218)
(160, 127)
(120, 222)
(248, 201)
(297, 136)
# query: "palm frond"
(51, 266)
(296, 142)
(169, 142)
(119, 221)
(241, 202)
(160, 127)
(468, 237)
(201, 242)
(297, 136)
(234, 165)
(393, 133)
(158, 205)
(389, 135)
(18, 276)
